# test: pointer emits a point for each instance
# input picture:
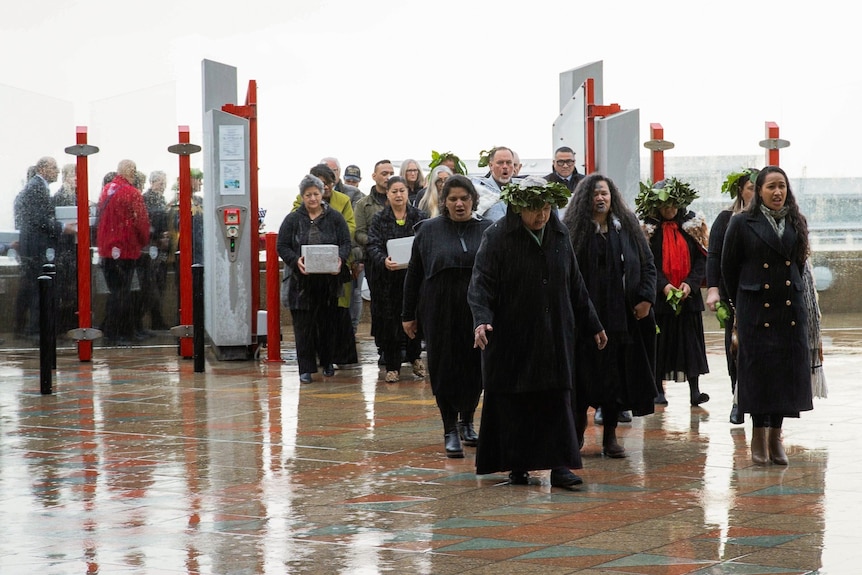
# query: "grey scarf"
(776, 218)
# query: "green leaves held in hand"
(674, 299)
(722, 313)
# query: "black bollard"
(198, 316)
(50, 270)
(46, 298)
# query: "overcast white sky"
(364, 80)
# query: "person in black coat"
(435, 298)
(740, 186)
(312, 298)
(565, 171)
(528, 298)
(678, 239)
(620, 275)
(39, 231)
(762, 264)
(395, 220)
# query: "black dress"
(435, 293)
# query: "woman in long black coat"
(528, 298)
(395, 220)
(762, 264)
(617, 265)
(435, 293)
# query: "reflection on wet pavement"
(136, 464)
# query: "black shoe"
(598, 419)
(468, 435)
(625, 417)
(736, 416)
(702, 398)
(329, 370)
(660, 399)
(304, 378)
(564, 478)
(453, 445)
(519, 478)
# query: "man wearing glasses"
(565, 171)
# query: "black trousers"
(119, 321)
(312, 330)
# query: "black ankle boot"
(453, 445)
(468, 434)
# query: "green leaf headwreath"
(437, 158)
(533, 193)
(674, 191)
(735, 181)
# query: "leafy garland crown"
(438, 158)
(735, 181)
(674, 191)
(533, 192)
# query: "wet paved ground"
(136, 464)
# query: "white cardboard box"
(320, 258)
(399, 250)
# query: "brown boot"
(776, 448)
(758, 445)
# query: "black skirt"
(527, 431)
(680, 346)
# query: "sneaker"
(392, 377)
(625, 417)
(418, 368)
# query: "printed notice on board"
(232, 178)
(231, 143)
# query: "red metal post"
(656, 156)
(590, 128)
(273, 299)
(85, 315)
(772, 154)
(185, 263)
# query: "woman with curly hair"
(678, 239)
(763, 266)
(618, 270)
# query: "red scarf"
(676, 261)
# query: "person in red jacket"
(123, 231)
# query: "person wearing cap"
(352, 175)
(678, 239)
(348, 188)
(527, 297)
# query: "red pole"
(85, 315)
(656, 156)
(772, 154)
(185, 265)
(590, 132)
(254, 207)
(273, 299)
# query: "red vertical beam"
(656, 156)
(772, 154)
(590, 128)
(273, 299)
(185, 266)
(85, 315)
(254, 206)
